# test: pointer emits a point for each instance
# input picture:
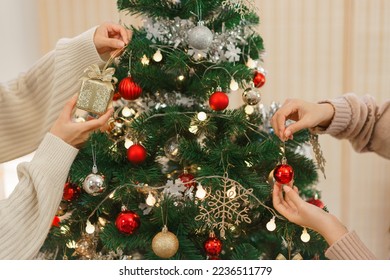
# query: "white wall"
(19, 48)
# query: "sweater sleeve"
(26, 215)
(349, 247)
(30, 104)
(361, 121)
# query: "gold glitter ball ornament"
(165, 244)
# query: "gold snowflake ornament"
(225, 207)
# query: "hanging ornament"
(56, 221)
(86, 247)
(258, 79)
(129, 89)
(71, 191)
(283, 173)
(317, 202)
(187, 179)
(251, 96)
(200, 37)
(171, 148)
(165, 244)
(212, 245)
(94, 183)
(62, 208)
(127, 221)
(219, 100)
(200, 192)
(116, 128)
(136, 154)
(116, 96)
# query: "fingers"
(292, 197)
(280, 117)
(68, 108)
(97, 123)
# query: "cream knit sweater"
(366, 126)
(29, 106)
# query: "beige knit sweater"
(29, 105)
(366, 126)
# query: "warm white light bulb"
(90, 228)
(231, 193)
(180, 78)
(200, 192)
(251, 63)
(145, 60)
(157, 56)
(271, 225)
(193, 129)
(128, 143)
(202, 116)
(305, 236)
(126, 112)
(150, 200)
(233, 85)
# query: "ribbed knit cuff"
(349, 247)
(56, 156)
(341, 118)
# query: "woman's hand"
(110, 37)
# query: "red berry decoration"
(128, 89)
(71, 191)
(116, 96)
(218, 101)
(127, 222)
(136, 154)
(316, 202)
(212, 246)
(258, 79)
(187, 179)
(283, 173)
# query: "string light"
(157, 56)
(233, 85)
(180, 78)
(271, 225)
(150, 200)
(126, 112)
(305, 236)
(202, 116)
(249, 110)
(90, 228)
(145, 60)
(251, 63)
(200, 192)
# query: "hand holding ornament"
(288, 203)
(109, 37)
(76, 133)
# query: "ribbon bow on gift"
(106, 75)
(295, 257)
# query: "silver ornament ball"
(251, 96)
(200, 37)
(94, 184)
(171, 149)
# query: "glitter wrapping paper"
(94, 96)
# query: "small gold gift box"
(96, 90)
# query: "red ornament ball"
(128, 89)
(219, 101)
(116, 96)
(127, 222)
(212, 246)
(71, 191)
(316, 202)
(283, 173)
(56, 221)
(258, 79)
(187, 179)
(136, 154)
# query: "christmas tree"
(177, 174)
